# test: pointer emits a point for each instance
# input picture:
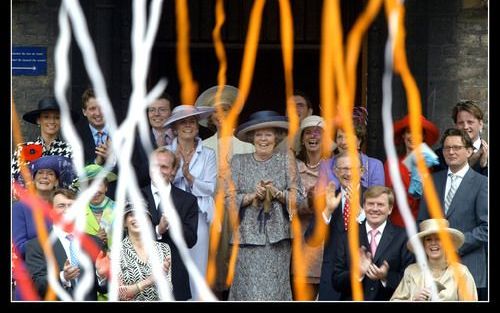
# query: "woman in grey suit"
(265, 185)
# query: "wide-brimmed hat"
(431, 134)
(182, 111)
(207, 98)
(259, 120)
(92, 170)
(312, 121)
(432, 226)
(53, 162)
(46, 104)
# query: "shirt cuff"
(63, 281)
(384, 283)
(100, 280)
(326, 218)
(157, 231)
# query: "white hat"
(182, 111)
(207, 98)
(432, 226)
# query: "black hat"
(46, 104)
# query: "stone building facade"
(447, 46)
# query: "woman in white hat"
(308, 162)
(266, 182)
(197, 174)
(413, 286)
(47, 118)
(225, 102)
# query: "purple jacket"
(374, 172)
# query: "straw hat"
(46, 104)
(432, 226)
(183, 111)
(259, 120)
(431, 134)
(312, 121)
(207, 98)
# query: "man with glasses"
(467, 115)
(335, 216)
(463, 196)
(158, 112)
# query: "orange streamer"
(189, 88)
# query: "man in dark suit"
(335, 217)
(95, 135)
(158, 113)
(463, 195)
(164, 162)
(467, 115)
(383, 252)
(71, 272)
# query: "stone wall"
(34, 23)
(457, 57)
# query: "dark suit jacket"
(442, 164)
(392, 248)
(187, 208)
(36, 265)
(468, 212)
(335, 228)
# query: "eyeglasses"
(345, 169)
(454, 148)
(159, 110)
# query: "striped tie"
(451, 192)
(73, 251)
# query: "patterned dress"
(57, 147)
(134, 270)
(263, 265)
(313, 256)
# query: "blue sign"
(29, 61)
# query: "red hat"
(431, 134)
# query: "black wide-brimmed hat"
(259, 120)
(46, 104)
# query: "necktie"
(100, 137)
(373, 242)
(451, 192)
(346, 213)
(73, 250)
(158, 202)
(169, 136)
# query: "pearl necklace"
(313, 166)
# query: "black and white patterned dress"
(57, 147)
(134, 270)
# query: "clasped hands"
(369, 269)
(263, 187)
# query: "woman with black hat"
(47, 119)
(267, 187)
(137, 282)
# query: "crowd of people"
(273, 183)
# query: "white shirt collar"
(380, 228)
(461, 173)
(155, 189)
(477, 144)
